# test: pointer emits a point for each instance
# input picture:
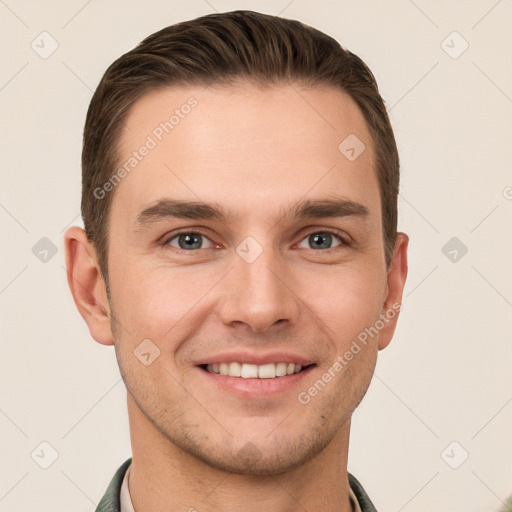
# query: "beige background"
(447, 374)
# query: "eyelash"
(336, 233)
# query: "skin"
(255, 151)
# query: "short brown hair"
(219, 48)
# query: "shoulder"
(110, 501)
(363, 499)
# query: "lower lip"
(256, 388)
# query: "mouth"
(254, 375)
(255, 371)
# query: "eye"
(188, 241)
(322, 240)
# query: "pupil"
(325, 237)
(189, 241)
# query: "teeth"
(254, 371)
(280, 369)
(234, 370)
(249, 371)
(267, 371)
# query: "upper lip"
(254, 358)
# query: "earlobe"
(87, 284)
(397, 275)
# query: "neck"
(165, 477)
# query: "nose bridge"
(257, 292)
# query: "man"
(240, 181)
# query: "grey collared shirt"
(117, 496)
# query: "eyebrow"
(311, 208)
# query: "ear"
(397, 274)
(87, 284)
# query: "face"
(277, 266)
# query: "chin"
(263, 458)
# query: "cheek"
(165, 304)
(159, 303)
(347, 300)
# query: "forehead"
(249, 146)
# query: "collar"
(117, 497)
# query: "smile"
(254, 371)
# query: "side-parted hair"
(220, 49)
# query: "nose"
(259, 293)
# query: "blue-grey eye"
(188, 241)
(322, 240)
